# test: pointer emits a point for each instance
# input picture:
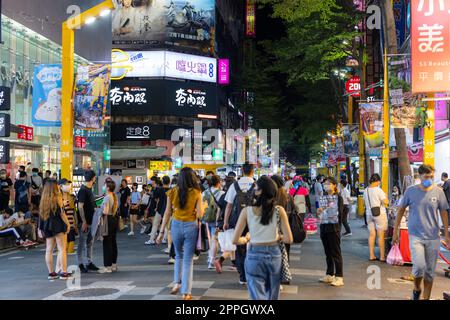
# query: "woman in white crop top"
(263, 261)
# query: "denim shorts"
(424, 255)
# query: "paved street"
(144, 274)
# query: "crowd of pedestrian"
(246, 222)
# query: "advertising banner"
(415, 152)
(250, 18)
(163, 97)
(430, 45)
(224, 71)
(351, 139)
(46, 110)
(165, 23)
(158, 64)
(91, 96)
(372, 123)
(400, 21)
(406, 109)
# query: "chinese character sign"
(46, 111)
(26, 133)
(250, 18)
(190, 98)
(91, 96)
(372, 123)
(5, 98)
(224, 71)
(430, 43)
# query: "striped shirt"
(69, 209)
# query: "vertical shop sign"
(430, 42)
(250, 19)
(5, 125)
(372, 123)
(224, 71)
(5, 98)
(4, 152)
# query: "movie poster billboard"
(372, 123)
(91, 96)
(406, 110)
(165, 23)
(351, 139)
(46, 110)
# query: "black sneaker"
(83, 268)
(92, 267)
(416, 295)
(53, 276)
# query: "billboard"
(162, 97)
(137, 132)
(372, 123)
(46, 110)
(430, 46)
(164, 23)
(91, 96)
(158, 64)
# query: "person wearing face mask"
(374, 198)
(426, 202)
(331, 207)
(5, 190)
(37, 184)
(134, 208)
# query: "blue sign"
(400, 21)
(47, 93)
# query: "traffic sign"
(353, 86)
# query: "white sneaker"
(327, 279)
(105, 270)
(171, 261)
(143, 229)
(150, 242)
(281, 288)
(196, 257)
(167, 250)
(211, 266)
(131, 233)
(114, 267)
(338, 282)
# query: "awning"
(204, 166)
(127, 154)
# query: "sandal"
(375, 259)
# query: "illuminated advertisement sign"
(158, 64)
(250, 18)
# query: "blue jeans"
(184, 238)
(424, 254)
(85, 242)
(263, 272)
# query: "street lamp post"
(68, 64)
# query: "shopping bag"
(297, 228)
(310, 224)
(226, 240)
(96, 220)
(202, 238)
(395, 256)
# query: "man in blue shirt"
(425, 201)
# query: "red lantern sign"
(27, 133)
(353, 86)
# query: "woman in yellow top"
(186, 205)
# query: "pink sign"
(224, 71)
(415, 153)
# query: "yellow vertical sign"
(385, 154)
(428, 137)
(67, 111)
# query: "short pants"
(379, 223)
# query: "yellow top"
(187, 214)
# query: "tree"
(400, 136)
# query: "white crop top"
(260, 233)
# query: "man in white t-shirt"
(245, 184)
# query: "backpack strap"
(236, 187)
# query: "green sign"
(217, 155)
(178, 164)
(107, 154)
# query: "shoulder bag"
(286, 275)
(376, 211)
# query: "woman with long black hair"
(263, 261)
(186, 205)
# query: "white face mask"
(66, 188)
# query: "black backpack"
(241, 201)
(222, 204)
